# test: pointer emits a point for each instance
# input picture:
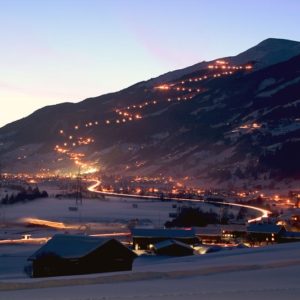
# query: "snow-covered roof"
(217, 229)
(168, 243)
(70, 246)
(291, 235)
(264, 228)
(163, 233)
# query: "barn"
(75, 254)
(144, 238)
(173, 248)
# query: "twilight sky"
(56, 51)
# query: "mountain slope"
(268, 52)
(228, 120)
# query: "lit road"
(263, 212)
(93, 188)
(28, 239)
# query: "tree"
(193, 217)
(241, 214)
(44, 194)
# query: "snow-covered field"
(92, 210)
(111, 214)
(262, 273)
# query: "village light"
(26, 236)
(163, 87)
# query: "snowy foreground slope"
(262, 273)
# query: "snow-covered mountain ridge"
(235, 119)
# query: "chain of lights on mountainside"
(70, 148)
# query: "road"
(93, 188)
(263, 212)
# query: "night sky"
(67, 50)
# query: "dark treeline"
(196, 217)
(28, 194)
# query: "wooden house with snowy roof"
(75, 254)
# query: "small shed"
(75, 254)
(173, 248)
(145, 238)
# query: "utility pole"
(0, 175)
(78, 188)
(2, 210)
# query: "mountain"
(269, 52)
(266, 53)
(233, 120)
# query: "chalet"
(173, 248)
(209, 234)
(264, 232)
(144, 239)
(74, 254)
(216, 233)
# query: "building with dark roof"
(217, 233)
(290, 236)
(144, 239)
(74, 254)
(173, 248)
(264, 232)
